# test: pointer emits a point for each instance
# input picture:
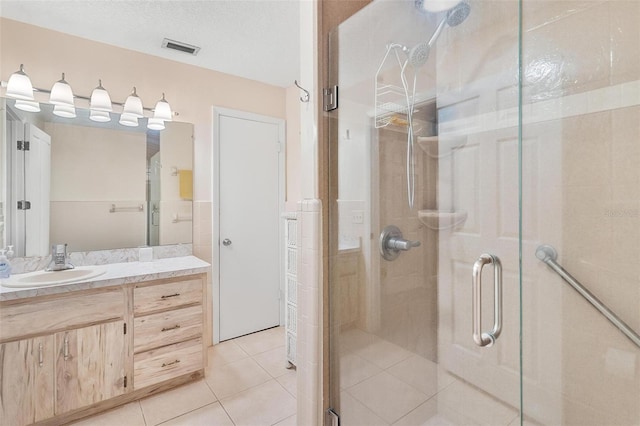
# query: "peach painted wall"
(191, 90)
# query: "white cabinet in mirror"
(94, 186)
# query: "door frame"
(219, 112)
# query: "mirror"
(94, 186)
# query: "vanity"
(75, 349)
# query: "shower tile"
(422, 374)
(382, 353)
(475, 404)
(387, 396)
(625, 39)
(431, 413)
(355, 369)
(352, 412)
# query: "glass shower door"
(424, 215)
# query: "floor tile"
(382, 353)
(476, 404)
(424, 375)
(175, 402)
(354, 339)
(261, 342)
(289, 381)
(209, 415)
(129, 414)
(265, 404)
(354, 413)
(355, 369)
(235, 377)
(289, 421)
(225, 352)
(387, 397)
(273, 361)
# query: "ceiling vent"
(180, 46)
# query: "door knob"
(226, 242)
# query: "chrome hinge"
(125, 381)
(331, 418)
(330, 98)
(23, 145)
(24, 205)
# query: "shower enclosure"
(485, 213)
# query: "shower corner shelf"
(441, 220)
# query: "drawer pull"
(171, 328)
(40, 356)
(66, 348)
(177, 361)
(170, 295)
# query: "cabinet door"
(90, 365)
(26, 380)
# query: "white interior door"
(37, 162)
(249, 239)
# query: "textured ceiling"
(256, 39)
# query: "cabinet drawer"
(165, 328)
(162, 296)
(165, 363)
(69, 311)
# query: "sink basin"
(47, 278)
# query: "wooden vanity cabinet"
(63, 357)
(27, 380)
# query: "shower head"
(419, 53)
(458, 14)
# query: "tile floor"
(246, 383)
(384, 384)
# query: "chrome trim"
(391, 243)
(548, 255)
(486, 339)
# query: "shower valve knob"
(392, 243)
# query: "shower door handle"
(486, 339)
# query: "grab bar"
(548, 255)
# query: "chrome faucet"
(59, 258)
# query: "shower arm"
(548, 255)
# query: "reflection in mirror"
(94, 186)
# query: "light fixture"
(163, 110)
(29, 106)
(100, 100)
(155, 124)
(19, 85)
(128, 120)
(65, 111)
(133, 106)
(99, 116)
(61, 94)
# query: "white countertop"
(117, 274)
